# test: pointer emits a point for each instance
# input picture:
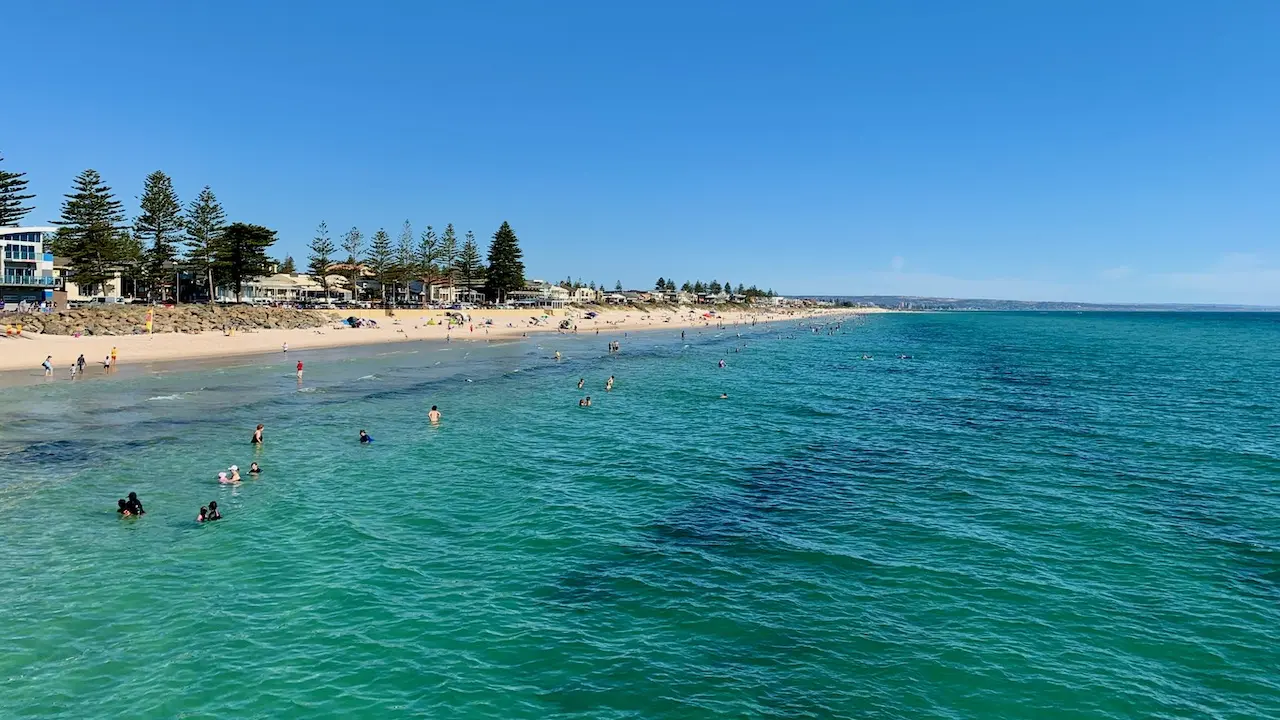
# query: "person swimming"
(135, 505)
(204, 515)
(585, 402)
(235, 473)
(721, 362)
(214, 514)
(608, 385)
(257, 435)
(580, 382)
(254, 469)
(123, 508)
(364, 438)
(434, 415)
(557, 356)
(724, 396)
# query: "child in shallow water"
(204, 515)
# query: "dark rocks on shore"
(132, 319)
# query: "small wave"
(367, 377)
(175, 396)
(308, 390)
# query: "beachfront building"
(26, 266)
(288, 288)
(455, 294)
(685, 298)
(585, 296)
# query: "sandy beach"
(29, 351)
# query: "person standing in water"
(299, 371)
(257, 435)
(80, 363)
(580, 382)
(48, 366)
(608, 384)
(434, 415)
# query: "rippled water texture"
(1035, 516)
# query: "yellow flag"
(150, 317)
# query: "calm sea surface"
(1035, 516)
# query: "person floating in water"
(585, 402)
(204, 515)
(580, 382)
(254, 469)
(135, 505)
(608, 384)
(722, 362)
(214, 513)
(364, 438)
(724, 396)
(123, 508)
(434, 415)
(257, 435)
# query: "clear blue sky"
(1096, 151)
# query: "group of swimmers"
(232, 474)
(130, 507)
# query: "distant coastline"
(908, 302)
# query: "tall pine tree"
(506, 269)
(468, 267)
(158, 229)
(91, 233)
(13, 188)
(353, 246)
(240, 254)
(205, 223)
(449, 254)
(429, 256)
(288, 266)
(381, 260)
(406, 266)
(321, 257)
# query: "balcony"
(29, 280)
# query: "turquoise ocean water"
(1036, 516)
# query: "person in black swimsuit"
(135, 505)
(257, 435)
(123, 508)
(213, 511)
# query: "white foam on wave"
(367, 377)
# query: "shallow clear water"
(1036, 516)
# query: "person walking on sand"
(48, 366)
(257, 435)
(284, 347)
(434, 415)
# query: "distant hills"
(909, 302)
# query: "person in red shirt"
(299, 369)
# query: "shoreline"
(26, 353)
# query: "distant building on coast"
(26, 267)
